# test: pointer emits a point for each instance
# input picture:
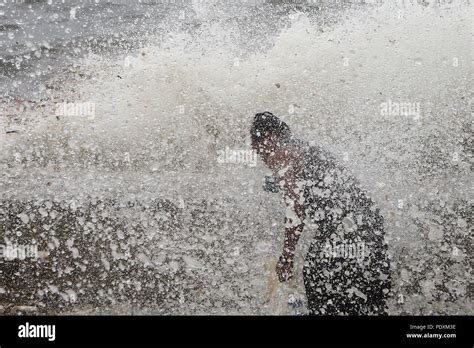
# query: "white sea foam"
(174, 104)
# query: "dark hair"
(265, 123)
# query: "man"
(346, 270)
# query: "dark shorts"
(346, 278)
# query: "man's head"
(267, 133)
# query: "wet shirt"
(347, 270)
(334, 202)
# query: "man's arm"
(293, 228)
(295, 214)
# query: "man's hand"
(284, 268)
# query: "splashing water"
(387, 89)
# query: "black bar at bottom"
(222, 330)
